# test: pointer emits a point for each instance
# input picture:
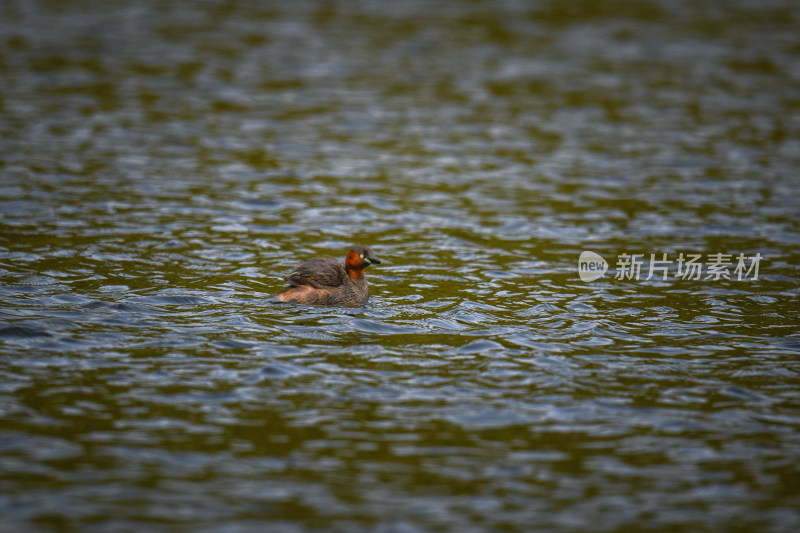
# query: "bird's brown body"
(329, 281)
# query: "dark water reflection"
(164, 164)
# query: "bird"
(327, 281)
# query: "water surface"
(163, 165)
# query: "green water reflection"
(163, 166)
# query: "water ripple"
(164, 169)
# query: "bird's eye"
(361, 256)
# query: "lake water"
(164, 164)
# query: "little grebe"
(328, 281)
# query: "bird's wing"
(319, 273)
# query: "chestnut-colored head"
(359, 258)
